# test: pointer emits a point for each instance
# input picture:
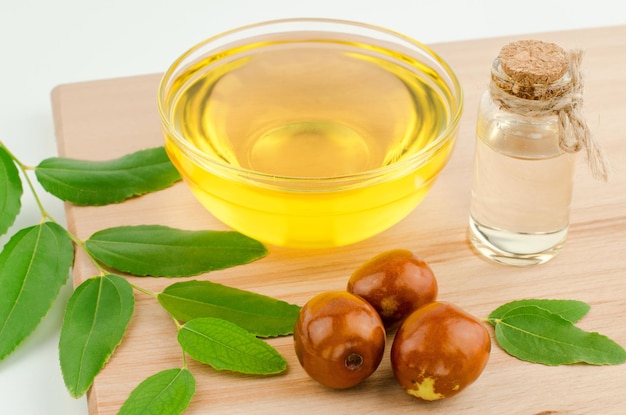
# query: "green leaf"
(260, 315)
(570, 310)
(166, 252)
(95, 321)
(97, 183)
(536, 335)
(34, 265)
(10, 191)
(165, 393)
(226, 346)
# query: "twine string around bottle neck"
(574, 133)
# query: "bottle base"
(515, 248)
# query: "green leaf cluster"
(544, 331)
(221, 326)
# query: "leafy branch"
(36, 262)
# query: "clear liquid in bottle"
(519, 213)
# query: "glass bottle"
(523, 176)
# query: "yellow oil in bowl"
(310, 133)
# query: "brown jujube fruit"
(339, 339)
(438, 351)
(395, 283)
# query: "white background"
(44, 43)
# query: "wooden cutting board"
(109, 118)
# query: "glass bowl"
(310, 133)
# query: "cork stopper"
(533, 62)
(549, 82)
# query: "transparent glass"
(522, 187)
(310, 132)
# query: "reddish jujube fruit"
(438, 351)
(339, 339)
(395, 283)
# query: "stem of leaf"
(491, 321)
(145, 291)
(179, 327)
(184, 359)
(176, 322)
(81, 244)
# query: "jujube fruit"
(339, 339)
(395, 283)
(438, 351)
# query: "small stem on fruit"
(354, 361)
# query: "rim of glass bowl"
(455, 94)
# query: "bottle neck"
(534, 92)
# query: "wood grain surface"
(108, 118)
